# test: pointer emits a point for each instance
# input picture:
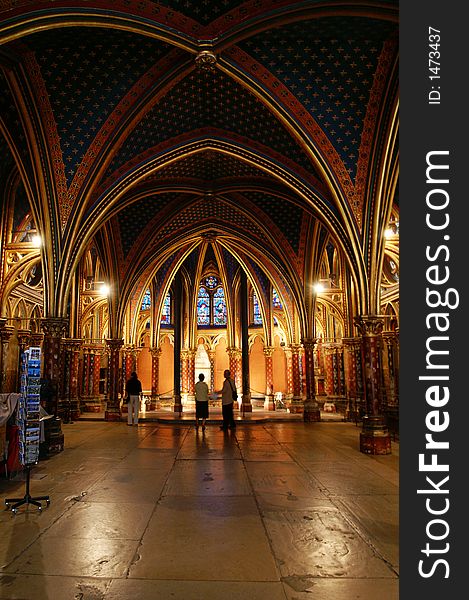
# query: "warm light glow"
(104, 290)
(318, 288)
(36, 240)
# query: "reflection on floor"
(269, 511)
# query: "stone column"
(177, 322)
(374, 438)
(311, 412)
(184, 371)
(6, 331)
(289, 361)
(246, 405)
(211, 357)
(191, 375)
(96, 371)
(296, 405)
(54, 329)
(114, 382)
(329, 369)
(350, 367)
(24, 338)
(155, 376)
(71, 394)
(390, 365)
(269, 403)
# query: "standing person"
(201, 402)
(228, 393)
(133, 387)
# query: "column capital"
(73, 344)
(234, 352)
(309, 342)
(24, 336)
(114, 343)
(369, 325)
(6, 332)
(54, 326)
(155, 351)
(269, 350)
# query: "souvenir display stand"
(28, 421)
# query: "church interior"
(189, 187)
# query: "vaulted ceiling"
(155, 123)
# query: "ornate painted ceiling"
(265, 124)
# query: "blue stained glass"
(219, 307)
(203, 307)
(276, 300)
(166, 312)
(146, 302)
(211, 282)
(257, 311)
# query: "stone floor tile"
(205, 538)
(77, 558)
(321, 544)
(310, 588)
(44, 587)
(207, 478)
(281, 477)
(194, 590)
(107, 520)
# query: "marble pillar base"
(311, 414)
(112, 415)
(269, 403)
(375, 438)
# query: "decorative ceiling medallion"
(206, 60)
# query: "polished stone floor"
(269, 511)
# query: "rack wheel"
(47, 502)
(39, 508)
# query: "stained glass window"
(219, 307)
(275, 299)
(203, 307)
(211, 282)
(166, 312)
(146, 302)
(257, 320)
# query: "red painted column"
(54, 329)
(311, 412)
(191, 373)
(288, 356)
(269, 403)
(155, 376)
(329, 370)
(112, 412)
(374, 438)
(296, 405)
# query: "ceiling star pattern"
(202, 11)
(134, 218)
(285, 215)
(329, 65)
(86, 75)
(210, 212)
(211, 100)
(208, 166)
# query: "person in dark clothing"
(133, 389)
(227, 392)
